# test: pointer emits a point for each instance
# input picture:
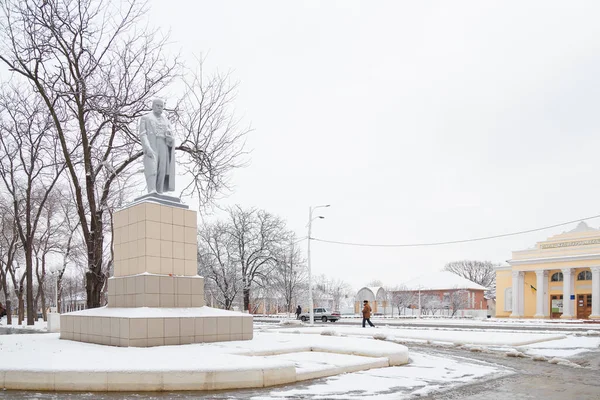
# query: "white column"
(541, 301)
(546, 295)
(517, 294)
(568, 304)
(595, 293)
(522, 294)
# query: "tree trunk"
(59, 294)
(36, 302)
(29, 286)
(7, 301)
(94, 278)
(21, 308)
(43, 299)
(246, 292)
(8, 312)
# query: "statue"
(158, 144)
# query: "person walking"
(367, 313)
(298, 312)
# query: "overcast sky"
(417, 121)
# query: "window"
(584, 276)
(508, 299)
(557, 277)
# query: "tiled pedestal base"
(194, 325)
(156, 297)
(149, 290)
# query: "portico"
(557, 278)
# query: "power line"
(301, 239)
(454, 241)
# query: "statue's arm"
(144, 138)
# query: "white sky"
(417, 121)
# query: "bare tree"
(95, 65)
(9, 245)
(217, 263)
(212, 140)
(430, 303)
(290, 274)
(338, 289)
(28, 169)
(48, 241)
(330, 291)
(480, 272)
(70, 246)
(257, 236)
(401, 298)
(457, 300)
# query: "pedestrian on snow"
(367, 313)
(298, 312)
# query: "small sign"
(572, 297)
(557, 305)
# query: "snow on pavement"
(490, 338)
(425, 374)
(46, 352)
(567, 347)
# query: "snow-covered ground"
(528, 342)
(520, 323)
(490, 338)
(48, 352)
(40, 325)
(425, 374)
(44, 362)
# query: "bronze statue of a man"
(158, 144)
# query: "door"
(556, 305)
(584, 306)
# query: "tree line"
(80, 74)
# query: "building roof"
(443, 280)
(374, 289)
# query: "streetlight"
(310, 296)
(55, 275)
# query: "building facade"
(376, 296)
(558, 278)
(442, 293)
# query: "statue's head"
(157, 106)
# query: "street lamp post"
(310, 296)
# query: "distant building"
(376, 296)
(557, 278)
(445, 290)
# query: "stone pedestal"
(53, 322)
(155, 297)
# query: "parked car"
(321, 314)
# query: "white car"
(322, 314)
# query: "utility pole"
(310, 294)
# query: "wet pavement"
(532, 380)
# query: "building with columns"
(557, 278)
